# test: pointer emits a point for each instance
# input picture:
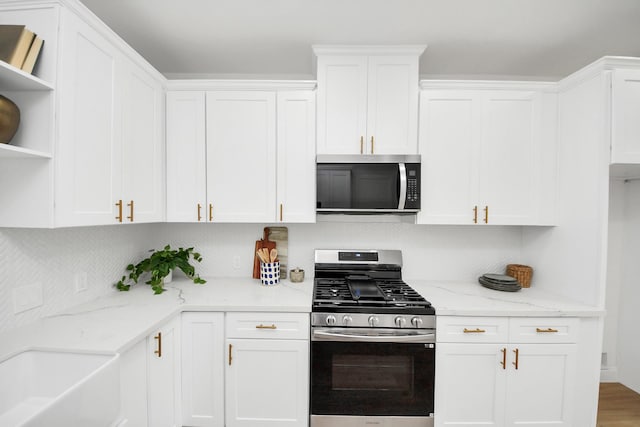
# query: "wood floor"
(619, 406)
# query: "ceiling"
(525, 39)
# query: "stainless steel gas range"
(372, 343)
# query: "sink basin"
(54, 388)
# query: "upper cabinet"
(245, 155)
(488, 154)
(90, 149)
(625, 126)
(367, 99)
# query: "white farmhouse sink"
(51, 388)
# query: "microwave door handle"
(402, 170)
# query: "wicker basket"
(522, 273)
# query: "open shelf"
(11, 151)
(13, 79)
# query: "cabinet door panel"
(449, 137)
(508, 156)
(87, 153)
(241, 150)
(164, 376)
(392, 112)
(142, 145)
(625, 126)
(342, 103)
(470, 385)
(203, 369)
(186, 157)
(296, 157)
(541, 389)
(267, 383)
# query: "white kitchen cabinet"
(267, 370)
(164, 376)
(249, 158)
(142, 141)
(241, 155)
(133, 386)
(488, 156)
(625, 126)
(203, 369)
(367, 99)
(186, 157)
(529, 379)
(296, 156)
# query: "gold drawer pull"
(158, 350)
(261, 326)
(474, 331)
(546, 330)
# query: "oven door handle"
(323, 335)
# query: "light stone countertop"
(116, 322)
(455, 298)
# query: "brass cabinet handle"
(372, 145)
(504, 358)
(475, 214)
(261, 326)
(486, 214)
(546, 330)
(474, 331)
(119, 205)
(158, 350)
(230, 357)
(280, 212)
(199, 212)
(130, 216)
(361, 144)
(517, 352)
(210, 211)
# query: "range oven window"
(356, 378)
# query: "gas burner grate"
(395, 293)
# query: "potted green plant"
(160, 264)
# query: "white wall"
(628, 344)
(53, 257)
(614, 280)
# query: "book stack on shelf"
(19, 47)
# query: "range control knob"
(331, 320)
(416, 322)
(373, 321)
(400, 321)
(347, 320)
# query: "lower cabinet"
(163, 370)
(267, 370)
(526, 379)
(203, 369)
(257, 375)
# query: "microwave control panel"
(413, 186)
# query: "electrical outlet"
(27, 297)
(236, 262)
(81, 281)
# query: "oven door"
(372, 378)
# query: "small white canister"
(270, 273)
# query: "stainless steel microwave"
(368, 183)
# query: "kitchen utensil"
(273, 254)
(261, 256)
(280, 235)
(260, 244)
(270, 273)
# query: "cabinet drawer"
(472, 329)
(268, 325)
(544, 329)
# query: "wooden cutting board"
(264, 243)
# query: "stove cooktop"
(366, 295)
